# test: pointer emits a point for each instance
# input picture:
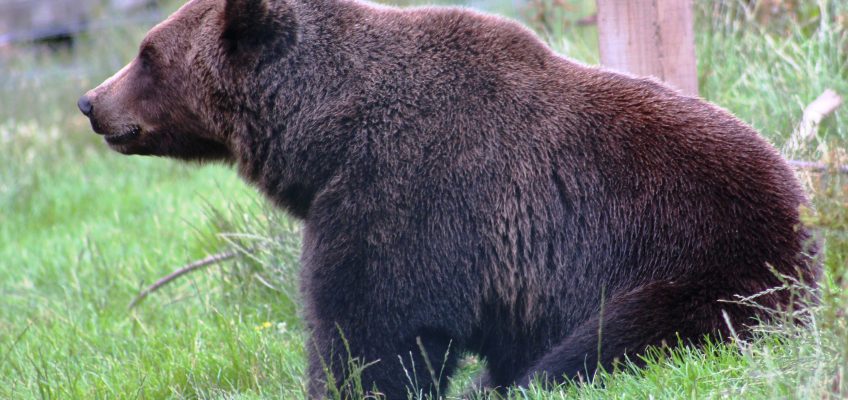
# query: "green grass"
(83, 229)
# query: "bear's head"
(180, 95)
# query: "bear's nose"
(84, 104)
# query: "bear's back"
(630, 175)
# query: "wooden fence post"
(650, 37)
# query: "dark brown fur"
(464, 187)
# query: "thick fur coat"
(463, 188)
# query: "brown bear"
(463, 189)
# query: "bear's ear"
(252, 23)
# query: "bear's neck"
(296, 136)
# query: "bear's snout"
(116, 131)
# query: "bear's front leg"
(348, 361)
(381, 317)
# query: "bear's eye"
(146, 56)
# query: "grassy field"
(83, 229)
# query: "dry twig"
(814, 113)
(193, 266)
(818, 166)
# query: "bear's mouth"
(123, 137)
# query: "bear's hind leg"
(654, 314)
